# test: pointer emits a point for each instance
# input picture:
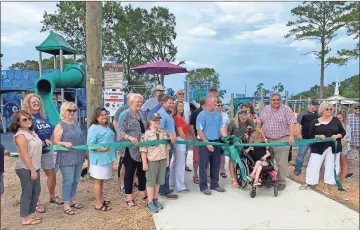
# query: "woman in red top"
(177, 167)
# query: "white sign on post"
(113, 100)
(113, 76)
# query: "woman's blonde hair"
(323, 106)
(64, 107)
(27, 107)
(241, 114)
(257, 137)
(174, 111)
(344, 116)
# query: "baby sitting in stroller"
(259, 155)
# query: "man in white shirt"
(226, 122)
(180, 97)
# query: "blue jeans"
(299, 161)
(71, 176)
(165, 188)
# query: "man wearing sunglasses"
(354, 123)
(278, 123)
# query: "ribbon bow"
(232, 149)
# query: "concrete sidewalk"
(234, 209)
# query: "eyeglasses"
(276, 100)
(243, 112)
(107, 113)
(26, 119)
(38, 102)
(357, 108)
(219, 105)
(328, 109)
(72, 110)
(180, 93)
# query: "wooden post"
(93, 58)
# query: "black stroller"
(268, 174)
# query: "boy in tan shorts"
(155, 160)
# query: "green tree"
(47, 63)
(352, 21)
(129, 36)
(318, 21)
(200, 75)
(349, 88)
(277, 88)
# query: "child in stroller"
(263, 172)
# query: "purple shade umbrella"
(160, 67)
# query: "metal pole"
(188, 95)
(61, 70)
(40, 64)
(93, 57)
(286, 97)
(245, 90)
(232, 106)
(55, 61)
(3, 119)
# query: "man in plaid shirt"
(278, 123)
(354, 122)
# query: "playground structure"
(68, 81)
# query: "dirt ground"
(120, 217)
(350, 198)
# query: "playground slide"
(72, 77)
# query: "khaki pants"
(281, 154)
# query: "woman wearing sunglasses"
(325, 126)
(43, 128)
(68, 133)
(101, 159)
(27, 165)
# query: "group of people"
(158, 170)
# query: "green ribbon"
(231, 146)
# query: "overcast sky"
(244, 42)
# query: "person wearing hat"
(154, 101)
(304, 121)
(155, 159)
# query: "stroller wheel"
(253, 192)
(276, 191)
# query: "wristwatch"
(32, 170)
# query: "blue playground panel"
(13, 82)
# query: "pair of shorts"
(1, 183)
(101, 172)
(155, 175)
(196, 154)
(48, 160)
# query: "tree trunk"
(93, 58)
(322, 73)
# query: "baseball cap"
(314, 102)
(156, 117)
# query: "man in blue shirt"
(168, 124)
(209, 125)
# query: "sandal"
(187, 169)
(103, 208)
(305, 187)
(234, 183)
(196, 180)
(33, 222)
(257, 184)
(56, 200)
(77, 206)
(131, 203)
(70, 211)
(40, 208)
(106, 202)
(223, 174)
(326, 191)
